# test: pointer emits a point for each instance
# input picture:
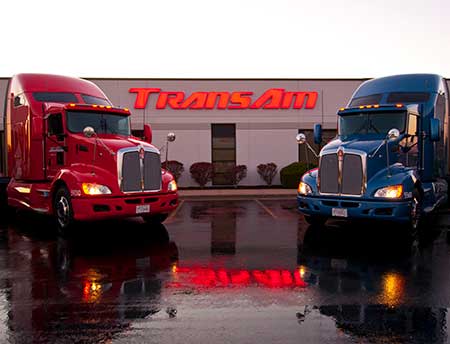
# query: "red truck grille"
(140, 173)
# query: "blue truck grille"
(346, 178)
(141, 174)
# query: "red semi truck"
(69, 152)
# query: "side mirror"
(148, 135)
(171, 137)
(434, 129)
(318, 133)
(88, 132)
(301, 138)
(393, 134)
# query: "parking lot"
(224, 271)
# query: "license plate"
(339, 212)
(142, 209)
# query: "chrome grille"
(352, 175)
(152, 171)
(139, 172)
(329, 174)
(341, 177)
(131, 172)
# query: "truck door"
(55, 147)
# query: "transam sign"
(273, 99)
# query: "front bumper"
(398, 211)
(96, 208)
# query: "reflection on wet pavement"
(223, 271)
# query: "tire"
(315, 220)
(415, 221)
(156, 218)
(63, 211)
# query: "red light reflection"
(222, 278)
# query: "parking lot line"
(266, 208)
(174, 213)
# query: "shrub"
(174, 167)
(290, 175)
(201, 172)
(238, 173)
(267, 172)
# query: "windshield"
(371, 123)
(103, 123)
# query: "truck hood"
(118, 142)
(368, 146)
(113, 142)
(374, 164)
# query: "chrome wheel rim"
(414, 214)
(63, 212)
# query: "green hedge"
(290, 175)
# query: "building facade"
(229, 121)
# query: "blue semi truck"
(389, 160)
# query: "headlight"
(95, 189)
(394, 191)
(172, 186)
(304, 189)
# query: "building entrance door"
(223, 152)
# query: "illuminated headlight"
(172, 186)
(95, 189)
(394, 191)
(304, 189)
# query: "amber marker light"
(399, 105)
(72, 105)
(376, 106)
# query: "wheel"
(315, 220)
(63, 211)
(156, 218)
(415, 217)
(416, 209)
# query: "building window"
(304, 154)
(223, 152)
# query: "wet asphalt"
(244, 271)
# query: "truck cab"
(389, 160)
(70, 153)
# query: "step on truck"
(68, 152)
(389, 160)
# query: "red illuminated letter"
(241, 277)
(196, 100)
(299, 100)
(241, 98)
(205, 277)
(212, 97)
(172, 98)
(142, 96)
(299, 282)
(272, 97)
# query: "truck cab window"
(19, 101)
(55, 97)
(55, 126)
(366, 100)
(95, 100)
